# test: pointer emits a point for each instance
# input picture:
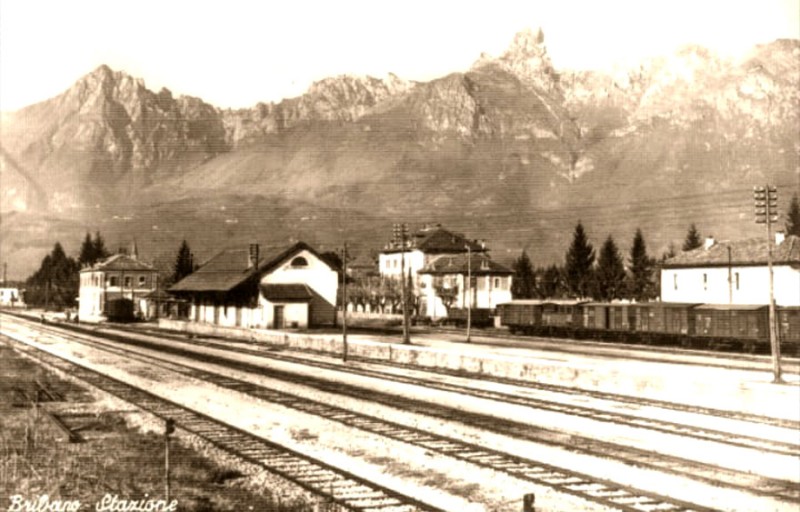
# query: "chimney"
(252, 256)
(709, 243)
(780, 236)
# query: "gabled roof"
(749, 252)
(438, 241)
(229, 268)
(478, 264)
(119, 262)
(286, 292)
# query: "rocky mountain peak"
(527, 59)
(526, 44)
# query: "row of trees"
(604, 276)
(601, 276)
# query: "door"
(277, 318)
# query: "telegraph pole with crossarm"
(766, 204)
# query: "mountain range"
(512, 150)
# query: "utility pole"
(469, 291)
(401, 235)
(766, 209)
(344, 303)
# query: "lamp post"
(766, 209)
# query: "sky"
(235, 53)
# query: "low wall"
(709, 387)
(369, 315)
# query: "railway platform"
(715, 385)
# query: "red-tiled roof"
(286, 292)
(479, 264)
(119, 262)
(742, 253)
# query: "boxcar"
(595, 315)
(789, 327)
(664, 317)
(612, 316)
(561, 313)
(541, 316)
(737, 325)
(479, 317)
(520, 315)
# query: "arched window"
(299, 262)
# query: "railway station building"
(121, 276)
(734, 273)
(274, 288)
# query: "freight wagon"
(738, 327)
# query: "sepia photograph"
(400, 256)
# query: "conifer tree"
(793, 217)
(693, 240)
(550, 282)
(184, 263)
(86, 255)
(640, 283)
(579, 261)
(55, 283)
(92, 250)
(523, 285)
(100, 251)
(610, 273)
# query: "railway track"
(613, 417)
(338, 487)
(525, 469)
(230, 345)
(605, 492)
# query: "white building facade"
(117, 277)
(444, 284)
(286, 288)
(421, 249)
(734, 273)
(11, 297)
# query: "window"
(737, 280)
(497, 282)
(299, 262)
(128, 281)
(113, 281)
(705, 281)
(142, 281)
(675, 281)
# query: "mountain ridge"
(511, 139)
